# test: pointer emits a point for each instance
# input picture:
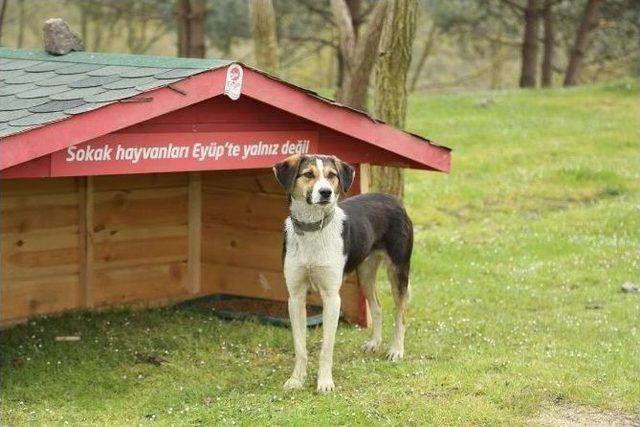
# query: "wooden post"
(362, 186)
(195, 233)
(364, 171)
(85, 231)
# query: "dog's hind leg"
(399, 278)
(367, 272)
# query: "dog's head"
(317, 179)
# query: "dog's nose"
(325, 192)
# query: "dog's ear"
(346, 173)
(287, 170)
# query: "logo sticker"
(233, 85)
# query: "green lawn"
(520, 255)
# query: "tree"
(588, 23)
(427, 49)
(263, 31)
(3, 10)
(227, 25)
(390, 103)
(357, 51)
(191, 16)
(548, 44)
(529, 64)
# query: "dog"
(324, 239)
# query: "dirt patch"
(578, 416)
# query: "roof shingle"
(37, 88)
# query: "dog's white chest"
(323, 248)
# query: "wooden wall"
(40, 268)
(152, 238)
(242, 217)
(89, 242)
(139, 230)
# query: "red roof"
(32, 144)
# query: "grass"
(520, 255)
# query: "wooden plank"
(363, 172)
(140, 208)
(39, 213)
(139, 283)
(255, 180)
(208, 176)
(129, 247)
(268, 183)
(140, 181)
(31, 187)
(128, 234)
(243, 281)
(39, 255)
(31, 297)
(195, 232)
(242, 247)
(240, 182)
(362, 185)
(244, 209)
(224, 279)
(85, 235)
(351, 300)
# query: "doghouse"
(137, 179)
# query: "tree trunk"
(183, 11)
(354, 11)
(391, 84)
(497, 64)
(191, 16)
(3, 10)
(530, 44)
(197, 42)
(263, 31)
(549, 40)
(588, 23)
(22, 23)
(358, 53)
(84, 25)
(427, 48)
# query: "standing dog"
(324, 239)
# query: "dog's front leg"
(330, 315)
(298, 317)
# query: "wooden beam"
(194, 260)
(363, 186)
(364, 171)
(85, 233)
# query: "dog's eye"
(331, 175)
(308, 174)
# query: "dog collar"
(300, 227)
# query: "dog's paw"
(370, 346)
(325, 385)
(293, 384)
(395, 354)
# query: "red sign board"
(172, 152)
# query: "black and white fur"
(362, 232)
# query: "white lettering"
(71, 153)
